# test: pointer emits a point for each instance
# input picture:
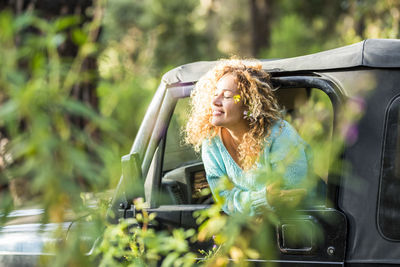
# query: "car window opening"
(183, 177)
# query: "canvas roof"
(376, 53)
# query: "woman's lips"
(217, 113)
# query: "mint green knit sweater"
(284, 156)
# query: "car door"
(175, 177)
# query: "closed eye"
(228, 95)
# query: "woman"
(236, 120)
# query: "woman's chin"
(216, 122)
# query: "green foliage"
(290, 38)
(56, 158)
(306, 27)
(127, 244)
(34, 109)
(160, 34)
(236, 237)
(370, 19)
(135, 242)
(60, 160)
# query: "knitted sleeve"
(235, 198)
(289, 157)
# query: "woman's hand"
(280, 198)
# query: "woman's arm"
(285, 170)
(235, 198)
(290, 157)
(290, 162)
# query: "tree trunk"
(261, 17)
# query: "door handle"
(296, 236)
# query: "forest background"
(76, 77)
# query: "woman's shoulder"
(279, 127)
(288, 128)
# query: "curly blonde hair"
(255, 89)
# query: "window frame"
(181, 90)
(392, 116)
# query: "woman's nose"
(216, 101)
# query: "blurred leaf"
(6, 26)
(78, 36)
(63, 23)
(8, 111)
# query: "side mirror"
(130, 186)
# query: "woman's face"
(227, 111)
